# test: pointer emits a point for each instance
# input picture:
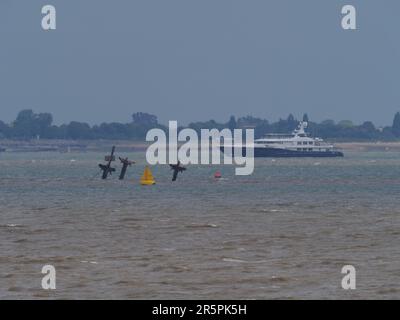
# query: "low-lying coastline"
(128, 145)
(381, 146)
(64, 146)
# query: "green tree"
(79, 130)
(4, 130)
(396, 125)
(29, 124)
(346, 124)
(143, 118)
(328, 122)
(232, 123)
(43, 123)
(24, 124)
(368, 126)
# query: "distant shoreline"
(129, 145)
(50, 145)
(393, 146)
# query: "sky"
(194, 60)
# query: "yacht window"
(310, 142)
(298, 143)
(304, 142)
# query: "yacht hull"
(284, 153)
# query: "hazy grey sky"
(199, 59)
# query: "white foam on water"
(233, 260)
(92, 262)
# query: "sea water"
(286, 231)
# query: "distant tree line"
(328, 129)
(30, 125)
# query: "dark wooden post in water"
(125, 163)
(106, 168)
(176, 168)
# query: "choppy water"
(284, 232)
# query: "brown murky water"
(284, 232)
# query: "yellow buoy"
(147, 178)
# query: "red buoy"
(217, 175)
